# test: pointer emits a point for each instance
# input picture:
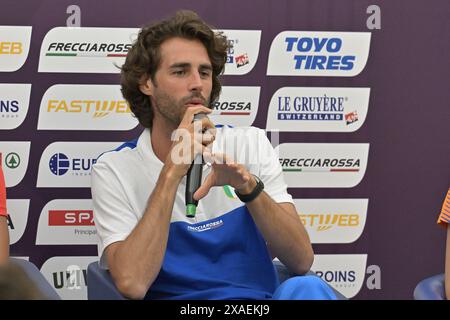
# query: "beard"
(172, 110)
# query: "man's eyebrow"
(206, 66)
(180, 65)
(203, 66)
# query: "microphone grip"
(193, 182)
(194, 179)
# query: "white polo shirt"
(219, 254)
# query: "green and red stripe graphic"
(89, 55)
(319, 170)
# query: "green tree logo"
(12, 160)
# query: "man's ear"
(147, 86)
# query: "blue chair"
(101, 286)
(431, 288)
(38, 279)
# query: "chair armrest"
(284, 273)
(100, 284)
(37, 278)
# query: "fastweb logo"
(91, 50)
(316, 53)
(333, 220)
(14, 47)
(85, 107)
(323, 165)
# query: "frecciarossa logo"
(323, 165)
(92, 50)
(309, 53)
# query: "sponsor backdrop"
(352, 94)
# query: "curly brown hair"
(144, 57)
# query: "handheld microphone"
(194, 179)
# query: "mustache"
(196, 96)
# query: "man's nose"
(195, 82)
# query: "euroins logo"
(86, 49)
(9, 108)
(98, 108)
(240, 59)
(60, 164)
(340, 278)
(320, 165)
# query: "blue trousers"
(304, 288)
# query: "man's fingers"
(191, 111)
(203, 190)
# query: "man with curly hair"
(151, 248)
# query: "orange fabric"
(2, 194)
(444, 217)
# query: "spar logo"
(14, 157)
(323, 164)
(14, 101)
(236, 106)
(67, 222)
(96, 50)
(318, 109)
(310, 53)
(85, 107)
(14, 47)
(333, 220)
(60, 164)
(69, 164)
(12, 160)
(344, 272)
(243, 50)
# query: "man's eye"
(205, 74)
(179, 72)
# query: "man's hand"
(225, 172)
(190, 138)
